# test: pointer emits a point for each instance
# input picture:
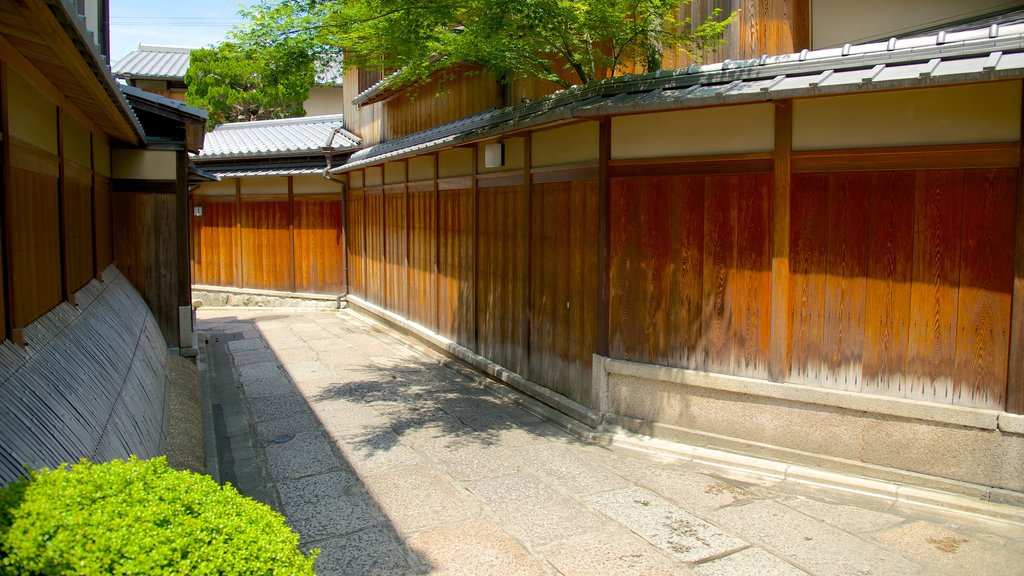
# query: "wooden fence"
(284, 242)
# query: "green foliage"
(236, 83)
(140, 517)
(565, 41)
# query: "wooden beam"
(239, 269)
(778, 357)
(10, 330)
(476, 253)
(437, 250)
(528, 247)
(1015, 373)
(291, 231)
(758, 162)
(994, 155)
(603, 237)
(344, 236)
(65, 294)
(184, 285)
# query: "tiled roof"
(163, 101)
(990, 53)
(157, 62)
(285, 137)
(253, 172)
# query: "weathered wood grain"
(808, 258)
(455, 299)
(423, 258)
(374, 252)
(213, 253)
(396, 242)
(318, 245)
(266, 245)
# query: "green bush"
(140, 517)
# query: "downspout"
(328, 150)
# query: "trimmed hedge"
(140, 517)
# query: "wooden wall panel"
(720, 213)
(936, 270)
(501, 276)
(455, 298)
(374, 252)
(35, 244)
(625, 340)
(78, 231)
(752, 276)
(890, 261)
(102, 223)
(265, 242)
(808, 257)
(447, 96)
(356, 226)
(845, 285)
(423, 259)
(213, 243)
(563, 286)
(986, 288)
(396, 245)
(318, 247)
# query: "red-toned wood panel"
(213, 253)
(563, 286)
(625, 339)
(808, 257)
(396, 245)
(752, 278)
(455, 299)
(102, 224)
(35, 245)
(890, 263)
(986, 288)
(501, 276)
(266, 245)
(356, 216)
(936, 273)
(374, 252)
(845, 284)
(720, 212)
(686, 272)
(318, 247)
(77, 197)
(423, 259)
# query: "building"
(813, 255)
(161, 70)
(94, 187)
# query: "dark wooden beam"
(239, 269)
(62, 223)
(778, 357)
(528, 247)
(603, 237)
(476, 253)
(10, 330)
(947, 156)
(1015, 373)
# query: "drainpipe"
(328, 150)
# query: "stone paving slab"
(394, 460)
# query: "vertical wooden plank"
(584, 278)
(476, 250)
(656, 224)
(624, 268)
(291, 232)
(986, 288)
(751, 321)
(808, 258)
(237, 237)
(524, 250)
(436, 326)
(781, 329)
(845, 286)
(686, 216)
(65, 293)
(6, 298)
(720, 213)
(937, 231)
(1015, 376)
(890, 264)
(604, 263)
(544, 267)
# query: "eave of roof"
(984, 54)
(55, 41)
(278, 138)
(154, 63)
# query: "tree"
(234, 82)
(565, 41)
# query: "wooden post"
(10, 329)
(437, 250)
(344, 236)
(291, 231)
(476, 254)
(528, 246)
(92, 206)
(239, 269)
(408, 243)
(62, 232)
(366, 288)
(603, 238)
(181, 237)
(778, 359)
(1015, 372)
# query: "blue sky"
(192, 23)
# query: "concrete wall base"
(217, 296)
(979, 453)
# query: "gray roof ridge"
(160, 48)
(294, 121)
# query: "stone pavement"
(392, 459)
